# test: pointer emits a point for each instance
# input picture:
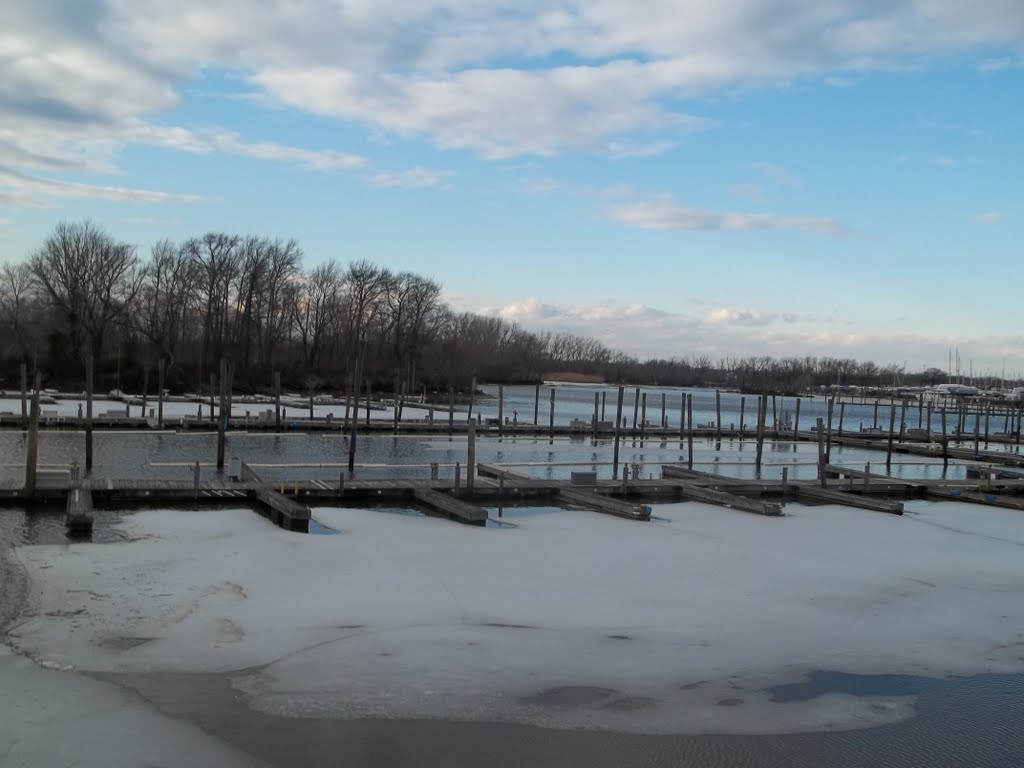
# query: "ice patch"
(679, 626)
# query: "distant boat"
(953, 390)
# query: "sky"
(675, 177)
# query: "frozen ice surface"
(571, 619)
(50, 718)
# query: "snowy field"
(569, 619)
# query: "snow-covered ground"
(569, 619)
(53, 719)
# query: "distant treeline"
(249, 299)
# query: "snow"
(52, 718)
(568, 619)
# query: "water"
(323, 456)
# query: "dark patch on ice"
(573, 696)
(631, 703)
(125, 643)
(503, 625)
(824, 682)
(619, 637)
(692, 686)
(729, 702)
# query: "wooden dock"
(283, 512)
(846, 498)
(448, 506)
(604, 504)
(79, 516)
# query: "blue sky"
(676, 177)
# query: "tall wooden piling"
(88, 412)
(762, 412)
(743, 408)
(604, 398)
(145, 389)
(471, 455)
(842, 415)
(988, 412)
(451, 409)
(822, 477)
(682, 418)
(501, 409)
(664, 418)
(928, 428)
(618, 432)
(689, 431)
(472, 399)
(892, 428)
(213, 389)
(222, 420)
(718, 416)
(32, 444)
(643, 414)
(24, 395)
(874, 423)
(551, 415)
(945, 442)
(277, 400)
(828, 430)
(775, 417)
(636, 409)
(903, 421)
(536, 404)
(796, 421)
(160, 394)
(597, 407)
(977, 430)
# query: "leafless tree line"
(249, 299)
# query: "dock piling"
(618, 432)
(88, 412)
(32, 445)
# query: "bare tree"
(89, 278)
(216, 258)
(167, 292)
(20, 307)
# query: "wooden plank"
(284, 512)
(498, 472)
(975, 497)
(730, 500)
(682, 473)
(848, 499)
(450, 507)
(604, 504)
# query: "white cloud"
(666, 213)
(720, 332)
(33, 190)
(989, 217)
(722, 316)
(413, 177)
(778, 174)
(1000, 64)
(431, 68)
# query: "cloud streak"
(720, 332)
(667, 214)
